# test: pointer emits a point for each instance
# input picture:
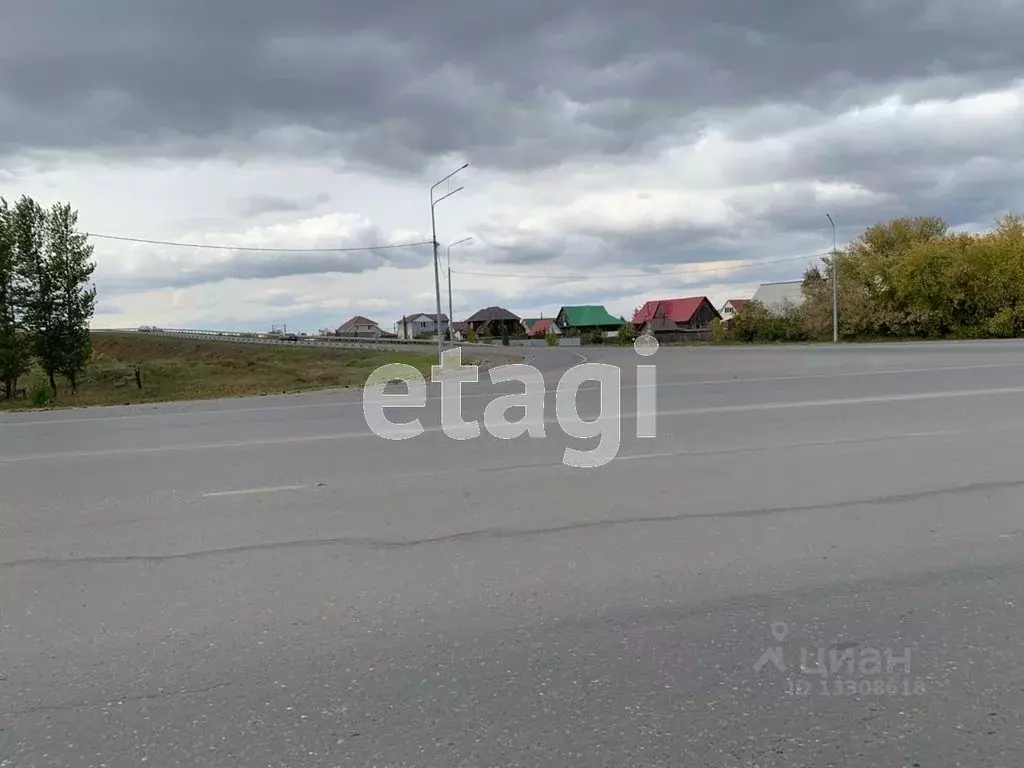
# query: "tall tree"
(69, 259)
(15, 355)
(29, 233)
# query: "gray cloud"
(649, 250)
(390, 86)
(276, 299)
(247, 265)
(258, 204)
(395, 84)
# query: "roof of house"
(656, 324)
(460, 326)
(529, 321)
(357, 320)
(541, 327)
(737, 304)
(676, 310)
(588, 316)
(429, 315)
(492, 313)
(774, 295)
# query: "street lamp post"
(437, 277)
(835, 272)
(451, 316)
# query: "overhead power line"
(392, 246)
(147, 241)
(632, 275)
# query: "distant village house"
(676, 319)
(537, 328)
(730, 308)
(495, 321)
(778, 297)
(361, 327)
(420, 325)
(580, 319)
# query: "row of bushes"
(908, 278)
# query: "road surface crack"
(506, 533)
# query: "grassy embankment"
(180, 369)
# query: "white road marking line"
(549, 420)
(840, 401)
(481, 395)
(187, 447)
(251, 491)
(808, 444)
(842, 374)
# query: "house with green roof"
(587, 318)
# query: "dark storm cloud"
(645, 251)
(520, 84)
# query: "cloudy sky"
(618, 151)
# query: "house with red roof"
(676, 316)
(542, 327)
(731, 307)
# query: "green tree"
(15, 355)
(40, 303)
(627, 334)
(69, 259)
(910, 277)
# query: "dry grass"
(182, 369)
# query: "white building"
(411, 326)
(731, 307)
(777, 296)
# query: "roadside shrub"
(913, 277)
(628, 333)
(719, 331)
(551, 339)
(1004, 324)
(39, 392)
(757, 323)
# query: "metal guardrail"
(242, 337)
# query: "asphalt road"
(266, 583)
